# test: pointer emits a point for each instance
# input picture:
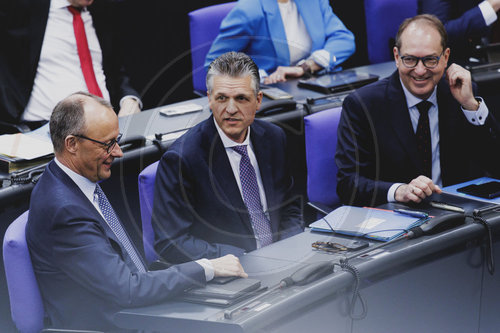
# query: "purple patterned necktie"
(115, 225)
(251, 197)
(424, 137)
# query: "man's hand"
(129, 106)
(495, 4)
(229, 265)
(282, 72)
(418, 189)
(460, 83)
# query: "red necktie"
(84, 53)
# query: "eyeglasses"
(329, 246)
(412, 61)
(108, 146)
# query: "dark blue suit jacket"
(463, 21)
(22, 28)
(84, 273)
(377, 145)
(198, 210)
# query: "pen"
(413, 213)
(445, 206)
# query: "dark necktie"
(84, 52)
(251, 197)
(424, 146)
(117, 228)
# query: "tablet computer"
(489, 190)
(336, 82)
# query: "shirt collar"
(412, 100)
(58, 4)
(227, 142)
(84, 184)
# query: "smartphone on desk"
(489, 190)
(276, 93)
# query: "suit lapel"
(276, 30)
(400, 119)
(449, 122)
(92, 211)
(223, 182)
(310, 15)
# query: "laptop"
(336, 82)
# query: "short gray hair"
(68, 118)
(234, 64)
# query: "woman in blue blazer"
(256, 28)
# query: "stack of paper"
(373, 223)
(20, 151)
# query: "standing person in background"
(52, 48)
(285, 38)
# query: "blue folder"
(373, 223)
(453, 189)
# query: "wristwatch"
(305, 67)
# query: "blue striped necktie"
(251, 197)
(115, 225)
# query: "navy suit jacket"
(377, 145)
(464, 24)
(84, 273)
(22, 28)
(198, 210)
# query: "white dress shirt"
(59, 73)
(234, 159)
(298, 38)
(488, 12)
(476, 118)
(88, 187)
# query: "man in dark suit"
(391, 149)
(202, 202)
(86, 265)
(40, 64)
(466, 22)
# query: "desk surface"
(398, 266)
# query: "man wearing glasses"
(86, 266)
(403, 137)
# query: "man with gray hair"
(224, 186)
(86, 266)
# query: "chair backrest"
(321, 144)
(147, 179)
(204, 26)
(383, 18)
(25, 300)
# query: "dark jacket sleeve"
(459, 26)
(356, 158)
(173, 215)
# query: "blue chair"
(146, 192)
(26, 304)
(383, 18)
(204, 26)
(321, 143)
